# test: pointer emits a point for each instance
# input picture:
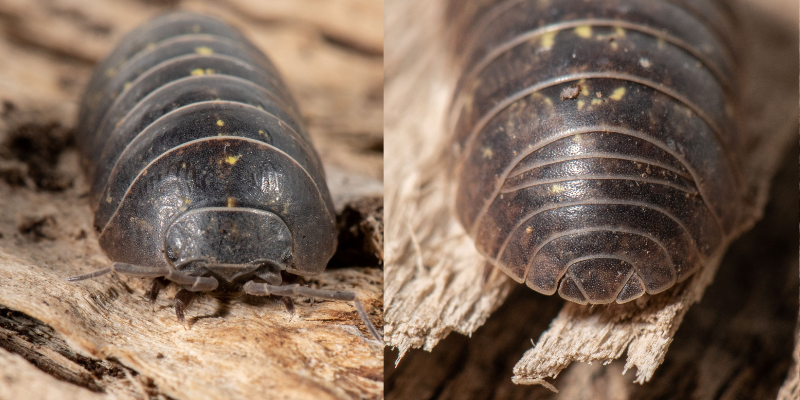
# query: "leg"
(139, 270)
(182, 301)
(127, 269)
(89, 276)
(158, 284)
(488, 269)
(198, 283)
(364, 317)
(287, 301)
(264, 289)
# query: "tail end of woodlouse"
(601, 281)
(632, 290)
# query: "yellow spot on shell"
(126, 86)
(548, 101)
(614, 46)
(556, 188)
(618, 94)
(150, 45)
(231, 202)
(619, 31)
(584, 31)
(548, 40)
(197, 72)
(111, 72)
(204, 51)
(529, 230)
(729, 109)
(232, 159)
(220, 122)
(584, 89)
(209, 71)
(581, 104)
(596, 102)
(109, 199)
(487, 153)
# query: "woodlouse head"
(229, 243)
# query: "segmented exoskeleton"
(202, 171)
(596, 143)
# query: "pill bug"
(202, 172)
(596, 150)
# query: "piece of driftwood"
(101, 338)
(433, 273)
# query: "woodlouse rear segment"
(596, 145)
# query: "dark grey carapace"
(202, 172)
(597, 152)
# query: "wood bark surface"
(101, 338)
(434, 274)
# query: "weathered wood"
(101, 338)
(433, 273)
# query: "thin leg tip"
(289, 304)
(89, 275)
(365, 318)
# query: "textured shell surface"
(596, 149)
(198, 157)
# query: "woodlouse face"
(229, 244)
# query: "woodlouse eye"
(172, 254)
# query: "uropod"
(202, 172)
(596, 145)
